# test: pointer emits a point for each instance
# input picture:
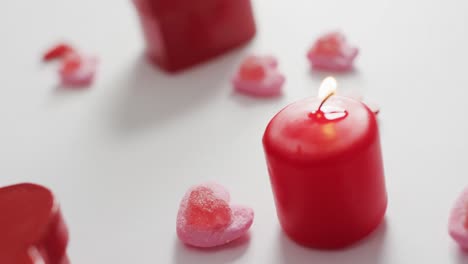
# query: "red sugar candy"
(57, 52)
(331, 52)
(207, 219)
(206, 211)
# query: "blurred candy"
(31, 226)
(259, 76)
(458, 221)
(78, 70)
(57, 52)
(331, 52)
(75, 70)
(205, 218)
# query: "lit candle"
(325, 165)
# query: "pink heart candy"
(259, 76)
(206, 219)
(458, 221)
(331, 52)
(78, 70)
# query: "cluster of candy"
(35, 232)
(259, 76)
(76, 69)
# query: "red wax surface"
(31, 226)
(181, 33)
(327, 175)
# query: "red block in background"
(181, 33)
(32, 229)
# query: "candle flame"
(327, 88)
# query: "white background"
(121, 154)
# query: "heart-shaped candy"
(32, 229)
(206, 219)
(57, 52)
(259, 76)
(458, 221)
(331, 52)
(77, 70)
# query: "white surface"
(120, 155)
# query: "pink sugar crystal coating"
(259, 76)
(331, 52)
(196, 228)
(80, 72)
(458, 221)
(205, 211)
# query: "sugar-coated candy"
(206, 219)
(331, 52)
(77, 70)
(32, 228)
(259, 76)
(205, 211)
(458, 221)
(57, 52)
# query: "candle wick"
(324, 100)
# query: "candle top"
(301, 133)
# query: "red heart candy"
(57, 52)
(251, 69)
(207, 219)
(32, 229)
(205, 211)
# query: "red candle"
(325, 165)
(180, 34)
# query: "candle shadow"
(147, 97)
(184, 254)
(367, 251)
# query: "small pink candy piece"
(331, 52)
(458, 221)
(78, 70)
(205, 218)
(259, 76)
